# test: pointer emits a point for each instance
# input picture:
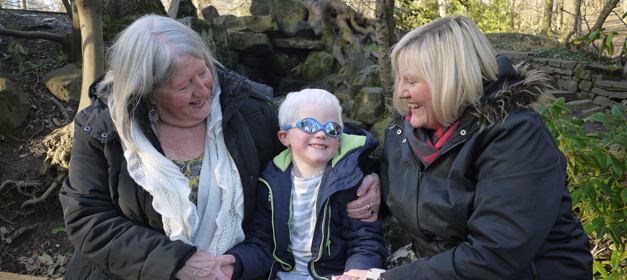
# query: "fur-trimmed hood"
(516, 87)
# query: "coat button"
(404, 140)
(104, 135)
(87, 128)
(399, 131)
(251, 177)
(236, 82)
(462, 132)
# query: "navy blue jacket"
(339, 244)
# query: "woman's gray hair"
(143, 58)
(295, 100)
(453, 57)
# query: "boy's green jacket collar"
(347, 143)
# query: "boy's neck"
(304, 171)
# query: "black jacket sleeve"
(99, 231)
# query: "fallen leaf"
(23, 155)
(46, 259)
(56, 122)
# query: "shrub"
(597, 180)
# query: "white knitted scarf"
(215, 225)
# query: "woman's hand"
(353, 274)
(204, 266)
(366, 207)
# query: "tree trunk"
(442, 7)
(572, 19)
(547, 17)
(122, 8)
(385, 35)
(90, 14)
(607, 9)
(74, 52)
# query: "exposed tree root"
(20, 184)
(57, 181)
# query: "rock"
(65, 83)
(352, 121)
(515, 56)
(584, 104)
(585, 85)
(378, 131)
(209, 13)
(287, 85)
(369, 77)
(216, 38)
(260, 24)
(282, 64)
(570, 65)
(612, 85)
(582, 95)
(258, 43)
(284, 11)
(601, 101)
(299, 28)
(355, 63)
(316, 66)
(592, 111)
(571, 86)
(14, 105)
(369, 105)
(296, 43)
(182, 8)
(231, 22)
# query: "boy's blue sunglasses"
(311, 125)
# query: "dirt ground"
(32, 239)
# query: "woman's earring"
(153, 116)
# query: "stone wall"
(601, 84)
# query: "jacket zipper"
(287, 267)
(325, 240)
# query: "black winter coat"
(495, 203)
(116, 232)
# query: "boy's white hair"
(295, 100)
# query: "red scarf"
(425, 142)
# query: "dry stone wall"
(603, 85)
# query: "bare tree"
(572, 19)
(607, 9)
(547, 17)
(90, 14)
(385, 35)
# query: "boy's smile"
(311, 152)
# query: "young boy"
(301, 229)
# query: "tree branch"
(34, 35)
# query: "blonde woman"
(470, 170)
(164, 167)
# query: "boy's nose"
(320, 134)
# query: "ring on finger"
(369, 209)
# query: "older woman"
(470, 170)
(164, 165)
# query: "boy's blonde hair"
(295, 100)
(453, 57)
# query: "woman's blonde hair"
(142, 59)
(453, 57)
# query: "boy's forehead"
(321, 112)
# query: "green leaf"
(57, 230)
(615, 260)
(605, 188)
(576, 195)
(600, 269)
(623, 196)
(617, 165)
(617, 112)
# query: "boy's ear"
(283, 138)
